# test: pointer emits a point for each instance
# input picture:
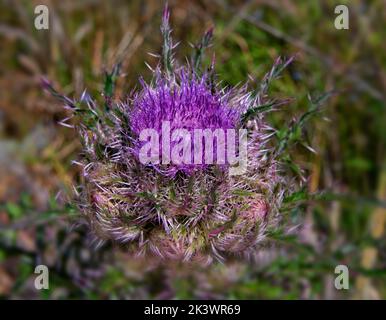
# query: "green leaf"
(253, 112)
(14, 210)
(110, 80)
(199, 49)
(297, 196)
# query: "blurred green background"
(342, 223)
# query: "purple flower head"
(183, 102)
(205, 212)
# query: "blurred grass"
(87, 37)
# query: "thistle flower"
(182, 211)
(186, 103)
